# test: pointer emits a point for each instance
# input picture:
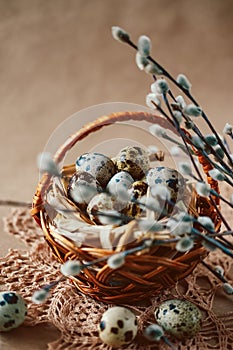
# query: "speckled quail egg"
(118, 183)
(98, 165)
(134, 160)
(82, 188)
(102, 202)
(168, 177)
(136, 191)
(180, 318)
(118, 326)
(13, 310)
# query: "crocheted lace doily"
(77, 316)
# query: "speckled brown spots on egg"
(120, 323)
(119, 182)
(82, 188)
(170, 178)
(100, 203)
(98, 165)
(9, 324)
(120, 326)
(12, 310)
(114, 330)
(10, 298)
(134, 160)
(128, 336)
(178, 317)
(136, 191)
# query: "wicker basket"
(145, 273)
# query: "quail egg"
(102, 202)
(98, 165)
(118, 183)
(134, 160)
(118, 326)
(13, 310)
(180, 318)
(168, 177)
(82, 188)
(136, 191)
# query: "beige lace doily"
(77, 316)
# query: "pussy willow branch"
(183, 135)
(220, 215)
(12, 203)
(221, 246)
(176, 124)
(214, 192)
(226, 144)
(203, 152)
(188, 150)
(198, 132)
(213, 241)
(188, 94)
(220, 277)
(168, 342)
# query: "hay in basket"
(152, 261)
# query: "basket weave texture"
(145, 273)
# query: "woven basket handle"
(108, 120)
(95, 126)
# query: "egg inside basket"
(118, 211)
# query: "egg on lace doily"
(118, 326)
(13, 310)
(180, 318)
(98, 165)
(82, 188)
(134, 160)
(168, 177)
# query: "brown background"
(58, 56)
